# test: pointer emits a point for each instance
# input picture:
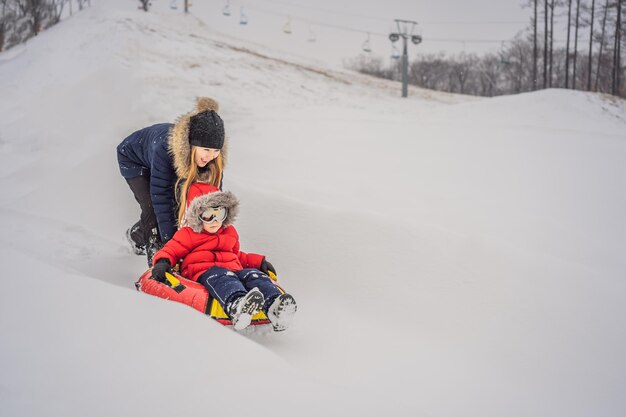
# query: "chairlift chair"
(311, 37)
(395, 53)
(504, 60)
(287, 27)
(243, 19)
(366, 45)
(226, 9)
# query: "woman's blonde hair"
(213, 177)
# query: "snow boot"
(281, 312)
(136, 246)
(153, 246)
(243, 308)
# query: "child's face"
(213, 218)
(212, 227)
(205, 155)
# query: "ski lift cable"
(372, 33)
(315, 22)
(363, 16)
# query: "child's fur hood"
(178, 140)
(217, 199)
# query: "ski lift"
(226, 9)
(366, 44)
(312, 37)
(504, 60)
(395, 52)
(287, 27)
(243, 19)
(174, 5)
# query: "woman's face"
(205, 155)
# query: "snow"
(450, 256)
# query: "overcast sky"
(339, 28)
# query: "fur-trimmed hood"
(178, 139)
(217, 199)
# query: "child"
(209, 248)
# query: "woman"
(163, 160)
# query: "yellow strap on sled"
(174, 282)
(172, 279)
(272, 276)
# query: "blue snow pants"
(226, 286)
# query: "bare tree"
(6, 16)
(545, 44)
(517, 73)
(593, 9)
(535, 46)
(617, 58)
(35, 10)
(569, 27)
(575, 44)
(57, 10)
(602, 39)
(559, 67)
(551, 43)
(371, 66)
(489, 68)
(462, 69)
(430, 71)
(23, 19)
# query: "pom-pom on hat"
(206, 130)
(202, 196)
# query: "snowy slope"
(451, 256)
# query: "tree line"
(20, 20)
(530, 61)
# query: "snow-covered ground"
(451, 256)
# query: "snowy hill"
(451, 256)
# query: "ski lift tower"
(404, 33)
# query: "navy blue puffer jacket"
(145, 152)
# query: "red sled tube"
(185, 291)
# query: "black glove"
(160, 268)
(267, 267)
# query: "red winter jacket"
(201, 251)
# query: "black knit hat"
(206, 130)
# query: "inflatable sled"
(183, 290)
